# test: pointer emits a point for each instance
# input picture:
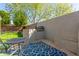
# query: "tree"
(34, 11)
(61, 9)
(20, 18)
(38, 11)
(5, 17)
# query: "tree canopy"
(61, 9)
(35, 12)
(5, 17)
(20, 18)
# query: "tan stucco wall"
(63, 31)
(78, 43)
(32, 35)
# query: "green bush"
(20, 34)
(5, 17)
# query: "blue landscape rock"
(41, 49)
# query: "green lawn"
(5, 54)
(8, 35)
(2, 54)
(5, 36)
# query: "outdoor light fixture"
(40, 28)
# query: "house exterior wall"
(63, 31)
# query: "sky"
(74, 5)
(2, 6)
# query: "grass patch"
(8, 35)
(3, 54)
